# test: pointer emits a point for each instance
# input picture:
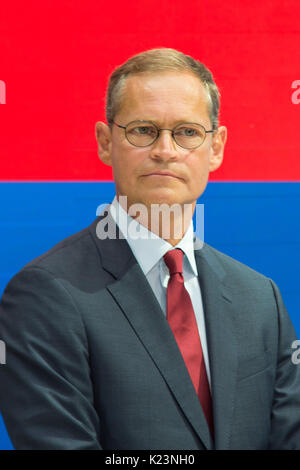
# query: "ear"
(103, 136)
(217, 148)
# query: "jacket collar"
(132, 292)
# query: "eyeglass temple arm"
(122, 127)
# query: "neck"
(169, 222)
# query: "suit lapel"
(136, 299)
(221, 340)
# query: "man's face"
(167, 99)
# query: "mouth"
(165, 174)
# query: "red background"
(55, 58)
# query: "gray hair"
(156, 60)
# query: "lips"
(163, 173)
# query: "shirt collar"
(147, 247)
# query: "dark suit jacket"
(91, 361)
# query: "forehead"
(167, 95)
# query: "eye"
(187, 131)
(143, 130)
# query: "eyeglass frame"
(164, 129)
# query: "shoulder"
(74, 261)
(66, 254)
(75, 254)
(256, 296)
(227, 262)
(232, 272)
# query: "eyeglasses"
(188, 135)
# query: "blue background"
(256, 223)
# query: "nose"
(165, 147)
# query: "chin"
(158, 196)
(163, 199)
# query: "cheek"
(125, 164)
(198, 165)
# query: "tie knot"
(173, 260)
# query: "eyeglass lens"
(187, 135)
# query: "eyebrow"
(175, 123)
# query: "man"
(141, 340)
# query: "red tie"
(181, 318)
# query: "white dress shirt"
(149, 249)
